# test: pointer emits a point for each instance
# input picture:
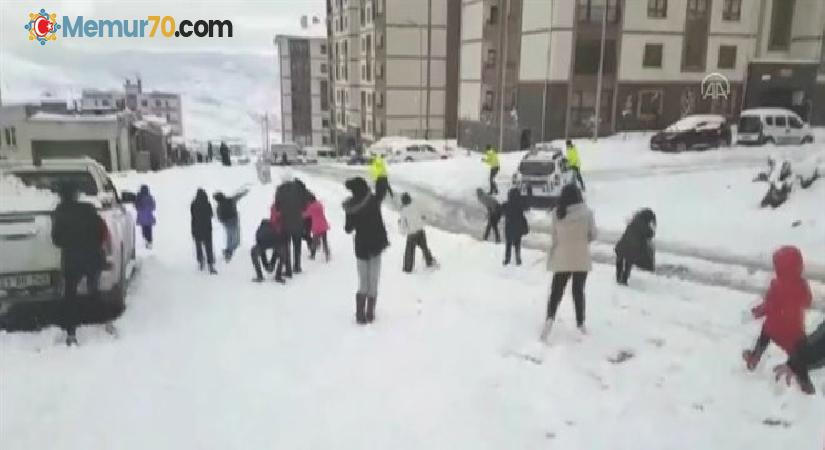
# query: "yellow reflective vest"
(573, 157)
(378, 168)
(491, 158)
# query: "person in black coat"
(515, 225)
(809, 354)
(635, 248)
(493, 208)
(210, 154)
(80, 233)
(201, 211)
(227, 212)
(224, 151)
(267, 237)
(363, 216)
(291, 199)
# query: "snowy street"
(453, 360)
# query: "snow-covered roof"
(690, 122)
(52, 117)
(760, 111)
(770, 60)
(154, 119)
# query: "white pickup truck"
(30, 269)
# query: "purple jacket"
(145, 206)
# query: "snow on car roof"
(760, 111)
(689, 122)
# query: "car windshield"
(52, 181)
(749, 124)
(536, 168)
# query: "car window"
(429, 148)
(749, 124)
(769, 120)
(795, 122)
(781, 121)
(412, 148)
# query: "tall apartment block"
(656, 54)
(167, 105)
(394, 71)
(304, 80)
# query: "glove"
(783, 370)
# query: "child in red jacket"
(319, 227)
(784, 307)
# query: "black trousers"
(417, 239)
(317, 241)
(382, 188)
(71, 310)
(492, 224)
(293, 259)
(578, 173)
(623, 267)
(146, 230)
(259, 258)
(512, 242)
(204, 245)
(557, 291)
(493, 185)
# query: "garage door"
(97, 150)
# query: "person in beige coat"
(572, 230)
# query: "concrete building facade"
(391, 72)
(166, 105)
(305, 90)
(656, 55)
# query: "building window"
(732, 10)
(653, 56)
(379, 41)
(380, 101)
(370, 17)
(650, 104)
(493, 15)
(11, 137)
(363, 15)
(323, 49)
(594, 10)
(488, 101)
(657, 9)
(696, 9)
(324, 123)
(144, 103)
(323, 68)
(323, 90)
(587, 57)
(781, 22)
(727, 57)
(491, 58)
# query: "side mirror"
(127, 197)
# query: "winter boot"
(371, 309)
(212, 269)
(582, 329)
(548, 327)
(200, 266)
(360, 304)
(71, 339)
(258, 280)
(751, 358)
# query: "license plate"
(24, 281)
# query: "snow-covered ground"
(706, 202)
(216, 362)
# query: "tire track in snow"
(674, 260)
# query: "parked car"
(700, 131)
(772, 125)
(542, 173)
(30, 264)
(358, 160)
(284, 154)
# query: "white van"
(772, 125)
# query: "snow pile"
(17, 197)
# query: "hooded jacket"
(266, 237)
(515, 222)
(79, 232)
(635, 244)
(363, 216)
(201, 211)
(145, 207)
(290, 201)
(786, 300)
(315, 212)
(571, 238)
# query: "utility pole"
(429, 55)
(600, 75)
(503, 79)
(546, 74)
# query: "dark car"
(693, 132)
(358, 160)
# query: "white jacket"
(411, 219)
(571, 238)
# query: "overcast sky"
(254, 22)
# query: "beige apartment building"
(394, 69)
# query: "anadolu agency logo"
(715, 86)
(42, 26)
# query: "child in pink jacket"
(315, 212)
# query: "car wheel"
(117, 296)
(681, 147)
(807, 139)
(767, 140)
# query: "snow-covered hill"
(221, 91)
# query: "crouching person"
(635, 248)
(809, 354)
(411, 223)
(267, 238)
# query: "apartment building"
(490, 58)
(656, 55)
(305, 90)
(166, 105)
(391, 73)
